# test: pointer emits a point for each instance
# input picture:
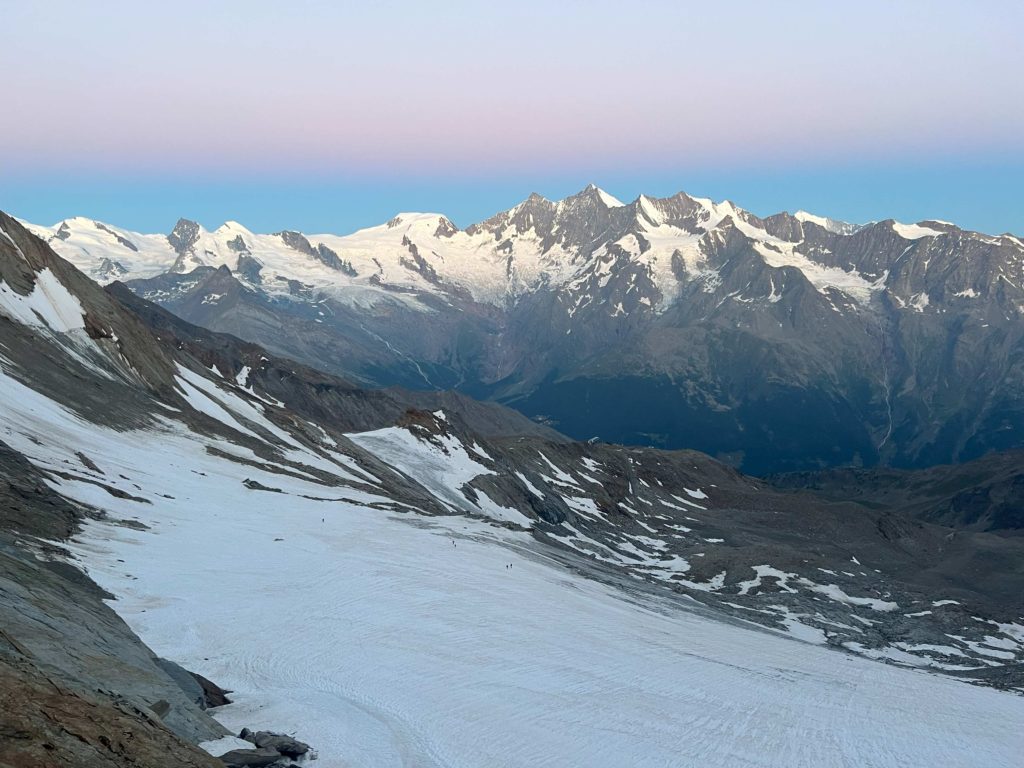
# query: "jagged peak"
(184, 223)
(533, 202)
(594, 192)
(648, 209)
(184, 235)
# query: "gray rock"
(213, 694)
(184, 680)
(250, 758)
(284, 744)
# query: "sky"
(329, 116)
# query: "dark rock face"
(183, 239)
(297, 241)
(249, 268)
(321, 252)
(328, 257)
(120, 240)
(252, 485)
(202, 692)
(184, 680)
(184, 236)
(28, 505)
(110, 270)
(213, 694)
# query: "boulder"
(213, 694)
(250, 758)
(284, 745)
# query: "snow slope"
(50, 305)
(392, 639)
(401, 648)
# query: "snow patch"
(914, 231)
(50, 305)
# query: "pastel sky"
(332, 115)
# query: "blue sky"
(983, 196)
(330, 116)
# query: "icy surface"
(441, 464)
(418, 652)
(218, 747)
(390, 639)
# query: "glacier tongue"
(409, 642)
(388, 639)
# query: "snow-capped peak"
(648, 210)
(232, 228)
(832, 225)
(536, 243)
(609, 200)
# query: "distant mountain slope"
(986, 494)
(782, 343)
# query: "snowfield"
(396, 639)
(381, 642)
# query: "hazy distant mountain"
(780, 343)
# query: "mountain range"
(183, 470)
(777, 344)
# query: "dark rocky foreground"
(47, 722)
(77, 686)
